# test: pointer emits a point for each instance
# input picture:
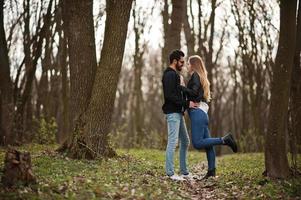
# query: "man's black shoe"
(229, 140)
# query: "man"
(174, 107)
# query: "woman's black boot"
(210, 173)
(229, 140)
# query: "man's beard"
(179, 67)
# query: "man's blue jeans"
(176, 130)
(200, 135)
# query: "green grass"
(139, 174)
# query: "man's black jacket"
(174, 101)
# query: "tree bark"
(276, 161)
(26, 124)
(138, 66)
(90, 136)
(295, 103)
(165, 18)
(64, 129)
(201, 48)
(44, 97)
(174, 30)
(189, 32)
(214, 123)
(6, 91)
(78, 19)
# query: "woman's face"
(189, 68)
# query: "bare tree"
(22, 99)
(276, 161)
(255, 52)
(6, 98)
(90, 135)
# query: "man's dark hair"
(175, 54)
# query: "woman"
(197, 90)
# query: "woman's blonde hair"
(198, 66)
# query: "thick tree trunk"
(6, 92)
(90, 137)
(276, 161)
(174, 30)
(99, 113)
(78, 18)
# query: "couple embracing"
(194, 98)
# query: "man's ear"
(174, 61)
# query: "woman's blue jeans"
(200, 135)
(176, 131)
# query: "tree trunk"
(174, 30)
(6, 98)
(78, 19)
(295, 103)
(235, 110)
(201, 48)
(209, 55)
(90, 136)
(138, 65)
(165, 18)
(44, 97)
(189, 32)
(64, 129)
(26, 124)
(21, 102)
(276, 161)
(209, 66)
(164, 57)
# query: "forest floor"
(139, 174)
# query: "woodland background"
(86, 74)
